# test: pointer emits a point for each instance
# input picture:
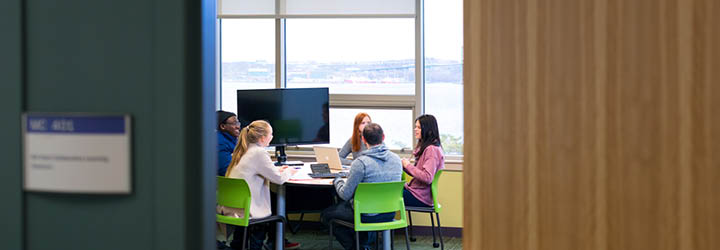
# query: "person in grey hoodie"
(376, 164)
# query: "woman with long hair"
(355, 145)
(251, 162)
(428, 160)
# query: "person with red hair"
(355, 145)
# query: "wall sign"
(77, 153)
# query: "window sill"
(452, 163)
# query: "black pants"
(255, 236)
(345, 235)
(298, 199)
(257, 233)
(411, 201)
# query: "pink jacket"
(423, 173)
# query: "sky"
(361, 39)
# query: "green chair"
(235, 193)
(434, 209)
(405, 177)
(380, 197)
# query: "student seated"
(355, 145)
(376, 164)
(252, 163)
(428, 160)
(228, 130)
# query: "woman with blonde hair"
(251, 162)
(355, 145)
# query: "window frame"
(415, 102)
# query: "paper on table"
(301, 174)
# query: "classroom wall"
(137, 57)
(451, 199)
(592, 124)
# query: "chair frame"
(433, 209)
(240, 185)
(358, 227)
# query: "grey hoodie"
(376, 164)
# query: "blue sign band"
(75, 124)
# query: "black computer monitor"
(298, 116)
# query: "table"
(300, 178)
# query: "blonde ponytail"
(249, 134)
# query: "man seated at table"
(228, 130)
(376, 164)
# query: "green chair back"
(434, 188)
(233, 193)
(380, 197)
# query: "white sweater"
(258, 171)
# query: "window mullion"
(218, 64)
(419, 61)
(280, 57)
(419, 58)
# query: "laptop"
(328, 155)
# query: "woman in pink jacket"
(428, 160)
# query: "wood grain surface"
(592, 124)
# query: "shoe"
(221, 245)
(292, 245)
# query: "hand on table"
(336, 180)
(292, 171)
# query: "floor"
(318, 239)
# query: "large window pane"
(396, 124)
(352, 56)
(443, 70)
(248, 57)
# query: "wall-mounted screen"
(298, 116)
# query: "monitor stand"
(282, 157)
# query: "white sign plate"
(77, 153)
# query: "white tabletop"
(301, 176)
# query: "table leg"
(279, 242)
(386, 239)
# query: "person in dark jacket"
(228, 130)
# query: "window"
(352, 56)
(248, 57)
(443, 70)
(367, 58)
(396, 124)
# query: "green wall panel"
(11, 210)
(143, 58)
(93, 56)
